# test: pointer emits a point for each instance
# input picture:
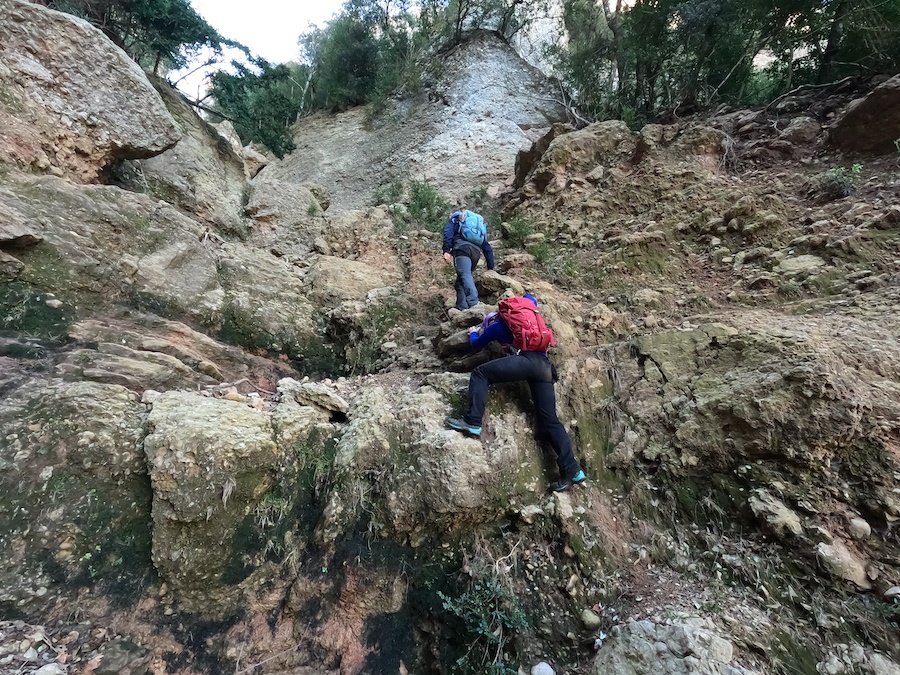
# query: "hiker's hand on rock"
(448, 258)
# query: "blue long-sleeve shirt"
(494, 332)
(452, 241)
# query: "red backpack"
(530, 333)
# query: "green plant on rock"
(541, 252)
(368, 335)
(491, 615)
(890, 612)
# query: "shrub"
(518, 229)
(835, 183)
(541, 252)
(426, 205)
(490, 614)
(391, 193)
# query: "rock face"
(202, 174)
(487, 102)
(66, 114)
(211, 461)
(872, 123)
(224, 393)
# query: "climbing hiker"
(465, 239)
(519, 327)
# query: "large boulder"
(71, 102)
(287, 218)
(602, 144)
(74, 509)
(332, 279)
(211, 463)
(871, 123)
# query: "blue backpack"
(470, 226)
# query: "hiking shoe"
(567, 483)
(460, 425)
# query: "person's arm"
(495, 332)
(488, 253)
(449, 232)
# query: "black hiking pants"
(535, 369)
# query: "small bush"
(426, 205)
(835, 183)
(392, 193)
(541, 252)
(518, 229)
(491, 615)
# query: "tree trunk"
(833, 46)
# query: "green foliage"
(541, 252)
(390, 193)
(152, 32)
(262, 102)
(490, 615)
(890, 612)
(426, 205)
(666, 56)
(518, 229)
(836, 183)
(367, 337)
(345, 60)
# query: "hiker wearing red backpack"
(465, 239)
(520, 328)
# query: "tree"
(262, 105)
(152, 32)
(344, 58)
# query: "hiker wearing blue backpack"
(465, 239)
(519, 327)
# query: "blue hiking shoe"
(460, 425)
(567, 483)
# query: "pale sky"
(269, 28)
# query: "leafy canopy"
(152, 32)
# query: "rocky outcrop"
(287, 219)
(871, 124)
(780, 404)
(202, 174)
(120, 245)
(487, 102)
(689, 646)
(72, 470)
(727, 368)
(66, 114)
(211, 464)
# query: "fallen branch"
(802, 87)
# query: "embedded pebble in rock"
(859, 528)
(542, 668)
(50, 669)
(590, 620)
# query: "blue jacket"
(453, 242)
(495, 332)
